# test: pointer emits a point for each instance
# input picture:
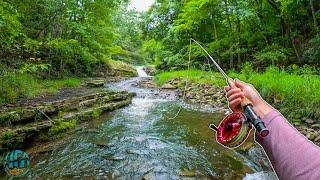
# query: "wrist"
(262, 109)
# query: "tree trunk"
(227, 13)
(293, 45)
(61, 67)
(314, 17)
(231, 57)
(215, 29)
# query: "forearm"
(291, 154)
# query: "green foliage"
(10, 26)
(196, 76)
(34, 68)
(152, 50)
(274, 53)
(128, 38)
(15, 86)
(60, 126)
(263, 32)
(312, 53)
(72, 36)
(32, 47)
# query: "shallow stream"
(141, 141)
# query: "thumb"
(240, 84)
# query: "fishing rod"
(235, 128)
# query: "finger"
(233, 91)
(240, 84)
(227, 88)
(233, 104)
(236, 96)
(231, 83)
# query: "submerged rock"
(187, 173)
(101, 142)
(115, 158)
(150, 175)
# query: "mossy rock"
(60, 126)
(120, 68)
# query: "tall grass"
(296, 94)
(196, 76)
(14, 86)
(293, 93)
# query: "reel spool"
(233, 130)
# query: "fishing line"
(188, 71)
(235, 128)
(185, 86)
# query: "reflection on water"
(139, 141)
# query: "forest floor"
(206, 88)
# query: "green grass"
(16, 86)
(197, 76)
(298, 95)
(61, 127)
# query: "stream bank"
(49, 117)
(213, 96)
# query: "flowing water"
(141, 141)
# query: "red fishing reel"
(235, 128)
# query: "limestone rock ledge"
(21, 126)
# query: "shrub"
(274, 54)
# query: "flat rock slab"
(96, 83)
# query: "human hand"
(241, 90)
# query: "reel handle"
(247, 107)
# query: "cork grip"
(245, 101)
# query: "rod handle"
(256, 121)
(247, 107)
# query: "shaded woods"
(72, 37)
(48, 39)
(264, 32)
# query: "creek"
(141, 141)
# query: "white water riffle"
(141, 72)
